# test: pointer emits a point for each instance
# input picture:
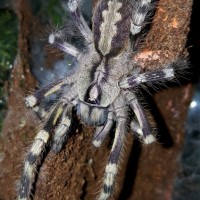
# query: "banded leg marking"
(76, 14)
(63, 46)
(152, 76)
(40, 112)
(141, 117)
(36, 98)
(32, 161)
(35, 155)
(61, 131)
(113, 161)
(135, 127)
(103, 131)
(138, 17)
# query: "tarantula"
(101, 90)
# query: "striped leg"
(35, 155)
(36, 98)
(41, 112)
(166, 72)
(61, 131)
(103, 131)
(40, 108)
(73, 7)
(55, 39)
(32, 161)
(70, 98)
(113, 161)
(141, 7)
(137, 130)
(135, 127)
(155, 76)
(141, 117)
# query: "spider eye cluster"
(93, 96)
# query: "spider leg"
(36, 152)
(113, 161)
(62, 129)
(148, 77)
(141, 9)
(102, 131)
(36, 98)
(41, 112)
(55, 40)
(148, 137)
(70, 98)
(135, 127)
(74, 9)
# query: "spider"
(102, 90)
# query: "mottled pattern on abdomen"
(111, 25)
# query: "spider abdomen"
(111, 24)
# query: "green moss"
(54, 12)
(47, 11)
(8, 50)
(8, 41)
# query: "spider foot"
(109, 179)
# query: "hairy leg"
(154, 76)
(74, 9)
(55, 39)
(35, 154)
(140, 10)
(62, 129)
(113, 161)
(148, 137)
(103, 131)
(36, 98)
